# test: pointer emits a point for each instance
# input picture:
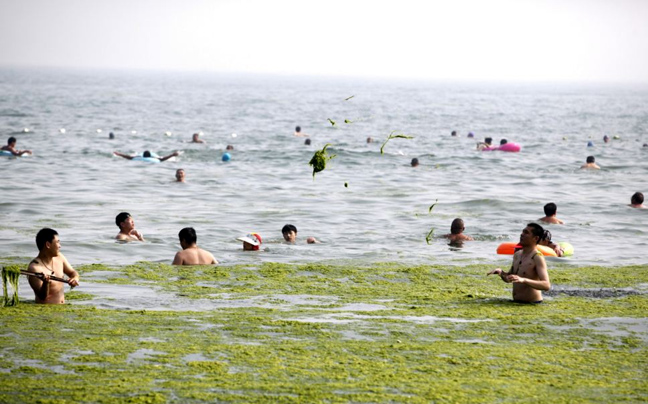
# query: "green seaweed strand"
(10, 275)
(319, 160)
(392, 136)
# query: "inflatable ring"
(153, 159)
(6, 153)
(510, 147)
(509, 249)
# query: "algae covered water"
(364, 207)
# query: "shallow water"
(74, 184)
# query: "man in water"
(414, 162)
(636, 201)
(299, 133)
(289, 233)
(590, 164)
(487, 144)
(251, 242)
(457, 232)
(11, 147)
(147, 154)
(528, 274)
(127, 230)
(50, 262)
(550, 214)
(180, 175)
(196, 138)
(191, 254)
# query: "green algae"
(434, 334)
(319, 159)
(10, 276)
(392, 136)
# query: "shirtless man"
(147, 154)
(180, 175)
(299, 133)
(636, 201)
(550, 214)
(127, 230)
(11, 147)
(456, 231)
(590, 164)
(50, 262)
(196, 138)
(289, 233)
(528, 273)
(191, 254)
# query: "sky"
(459, 40)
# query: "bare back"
(194, 256)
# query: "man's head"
(187, 237)
(307, 142)
(124, 220)
(531, 235)
(503, 141)
(550, 209)
(111, 135)
(47, 239)
(606, 138)
(289, 233)
(489, 140)
(251, 242)
(195, 137)
(180, 175)
(229, 147)
(590, 159)
(146, 153)
(637, 198)
(457, 226)
(453, 133)
(297, 129)
(11, 141)
(414, 162)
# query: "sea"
(369, 205)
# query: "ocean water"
(74, 184)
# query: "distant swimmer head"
(453, 133)
(414, 162)
(226, 157)
(251, 242)
(146, 154)
(457, 226)
(470, 134)
(229, 147)
(370, 139)
(590, 159)
(111, 135)
(503, 141)
(590, 144)
(488, 140)
(11, 141)
(550, 209)
(307, 142)
(645, 145)
(637, 198)
(180, 175)
(297, 129)
(606, 138)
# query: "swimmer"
(289, 233)
(196, 138)
(487, 144)
(370, 139)
(251, 242)
(456, 231)
(550, 214)
(414, 162)
(229, 147)
(470, 134)
(299, 133)
(111, 135)
(191, 254)
(307, 142)
(528, 273)
(11, 147)
(606, 139)
(180, 175)
(546, 241)
(636, 201)
(503, 142)
(453, 133)
(127, 230)
(147, 154)
(50, 262)
(590, 164)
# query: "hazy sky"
(591, 40)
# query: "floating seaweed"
(319, 160)
(347, 121)
(348, 98)
(10, 275)
(331, 121)
(346, 185)
(392, 136)
(431, 232)
(432, 206)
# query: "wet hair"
(288, 228)
(637, 198)
(307, 142)
(229, 147)
(590, 159)
(414, 162)
(453, 133)
(537, 230)
(503, 141)
(146, 153)
(297, 128)
(121, 217)
(43, 236)
(188, 234)
(11, 140)
(550, 209)
(457, 226)
(489, 140)
(546, 236)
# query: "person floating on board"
(191, 254)
(127, 230)
(550, 214)
(50, 263)
(528, 273)
(11, 148)
(147, 155)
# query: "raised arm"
(175, 153)
(70, 272)
(126, 156)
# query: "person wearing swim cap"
(226, 157)
(251, 242)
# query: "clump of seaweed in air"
(392, 136)
(318, 162)
(429, 235)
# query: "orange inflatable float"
(509, 249)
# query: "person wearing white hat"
(251, 242)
